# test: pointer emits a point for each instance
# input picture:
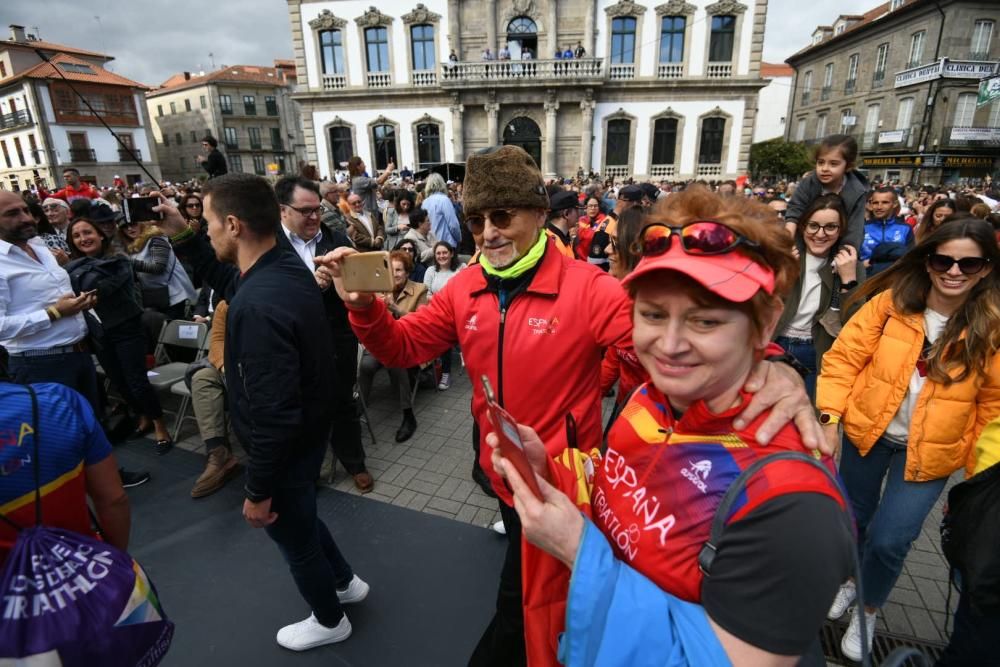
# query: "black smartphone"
(140, 209)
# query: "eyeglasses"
(614, 243)
(701, 237)
(814, 227)
(305, 212)
(969, 266)
(500, 218)
(196, 205)
(356, 203)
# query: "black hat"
(563, 200)
(650, 190)
(101, 213)
(630, 193)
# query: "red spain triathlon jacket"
(542, 353)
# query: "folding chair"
(361, 399)
(181, 389)
(167, 373)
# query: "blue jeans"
(316, 564)
(805, 354)
(887, 525)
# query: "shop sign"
(945, 68)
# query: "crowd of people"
(853, 324)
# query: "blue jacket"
(616, 616)
(893, 230)
(444, 222)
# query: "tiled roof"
(95, 73)
(863, 20)
(775, 70)
(233, 74)
(51, 46)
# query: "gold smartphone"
(367, 272)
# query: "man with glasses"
(536, 324)
(303, 233)
(213, 161)
(365, 228)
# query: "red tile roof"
(52, 46)
(252, 74)
(862, 20)
(99, 74)
(775, 70)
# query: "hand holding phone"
(511, 446)
(367, 272)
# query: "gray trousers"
(399, 378)
(208, 398)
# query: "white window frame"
(800, 130)
(821, 126)
(995, 114)
(881, 58)
(917, 40)
(852, 66)
(828, 75)
(904, 113)
(965, 110)
(871, 118)
(981, 44)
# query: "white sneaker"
(850, 645)
(498, 527)
(845, 596)
(310, 633)
(445, 381)
(356, 591)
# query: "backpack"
(970, 538)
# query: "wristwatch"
(849, 286)
(828, 418)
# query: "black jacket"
(336, 311)
(118, 297)
(215, 165)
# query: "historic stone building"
(903, 79)
(248, 108)
(665, 91)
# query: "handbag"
(72, 600)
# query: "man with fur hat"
(535, 323)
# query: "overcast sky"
(151, 41)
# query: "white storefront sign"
(945, 68)
(891, 136)
(975, 134)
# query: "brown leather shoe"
(364, 482)
(221, 466)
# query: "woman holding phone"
(707, 296)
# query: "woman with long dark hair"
(935, 216)
(446, 266)
(397, 217)
(913, 377)
(121, 341)
(365, 186)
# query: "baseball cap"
(630, 193)
(733, 276)
(562, 200)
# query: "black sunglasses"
(701, 237)
(501, 219)
(969, 266)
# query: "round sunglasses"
(500, 218)
(701, 237)
(969, 266)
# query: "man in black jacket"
(215, 163)
(302, 233)
(281, 385)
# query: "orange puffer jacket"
(865, 378)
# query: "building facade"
(45, 127)
(903, 80)
(772, 103)
(666, 91)
(247, 108)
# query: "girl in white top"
(446, 266)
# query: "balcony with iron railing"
(958, 136)
(82, 155)
(878, 79)
(123, 155)
(277, 145)
(15, 119)
(849, 86)
(869, 140)
(518, 72)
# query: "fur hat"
(502, 177)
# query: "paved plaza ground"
(431, 473)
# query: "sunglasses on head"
(969, 266)
(500, 218)
(701, 237)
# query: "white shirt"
(898, 429)
(801, 325)
(27, 288)
(306, 250)
(366, 220)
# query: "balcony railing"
(272, 108)
(379, 80)
(334, 81)
(425, 77)
(621, 71)
(895, 138)
(233, 145)
(849, 86)
(878, 79)
(869, 140)
(255, 144)
(514, 71)
(617, 172)
(277, 145)
(82, 155)
(709, 170)
(662, 171)
(670, 70)
(824, 94)
(719, 70)
(15, 119)
(123, 155)
(970, 137)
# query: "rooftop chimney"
(187, 76)
(17, 33)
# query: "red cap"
(732, 275)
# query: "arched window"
(428, 144)
(712, 134)
(617, 148)
(422, 41)
(664, 140)
(623, 40)
(522, 25)
(522, 33)
(331, 48)
(384, 141)
(524, 132)
(341, 146)
(377, 45)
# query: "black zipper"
(503, 318)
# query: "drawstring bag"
(71, 600)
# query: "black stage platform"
(433, 580)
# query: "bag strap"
(35, 462)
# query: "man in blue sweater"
(887, 236)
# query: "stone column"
(549, 168)
(552, 20)
(587, 107)
(491, 25)
(454, 27)
(457, 129)
(492, 130)
(589, 42)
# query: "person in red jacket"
(535, 323)
(75, 188)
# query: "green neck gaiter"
(521, 266)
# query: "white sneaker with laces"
(356, 591)
(850, 645)
(499, 527)
(310, 633)
(845, 596)
(445, 382)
